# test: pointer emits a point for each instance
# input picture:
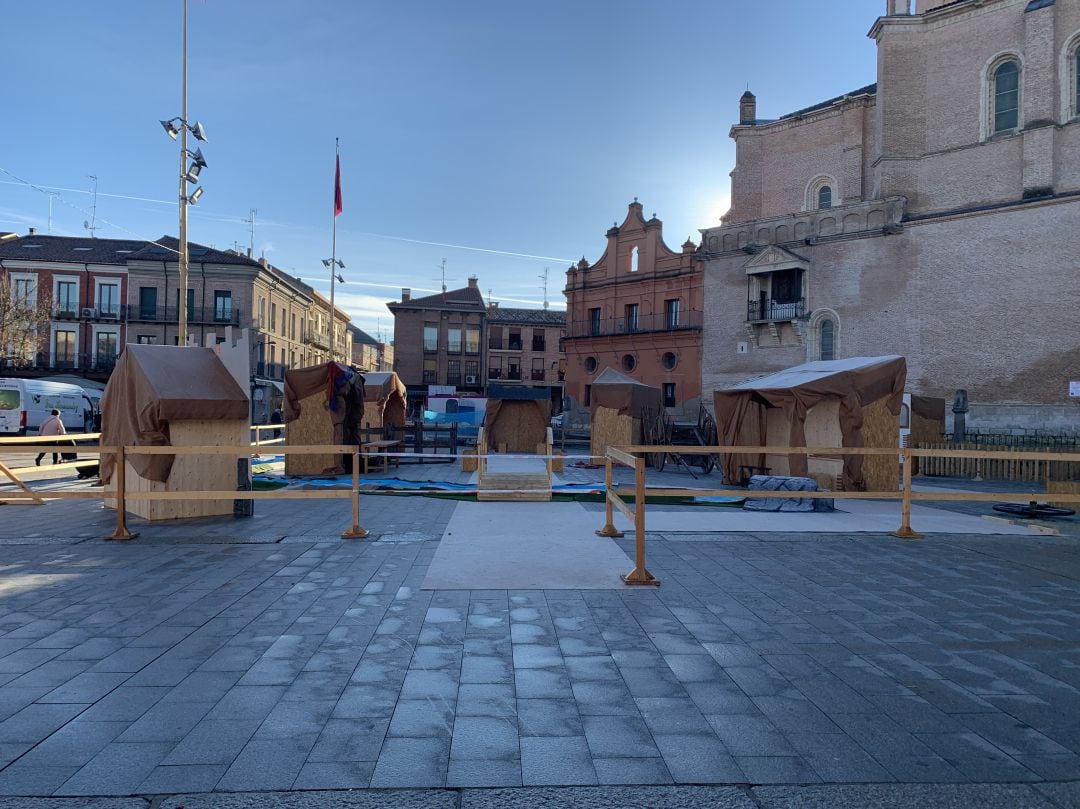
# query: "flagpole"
(333, 257)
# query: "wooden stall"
(516, 419)
(926, 423)
(838, 403)
(176, 396)
(324, 404)
(617, 404)
(384, 405)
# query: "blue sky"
(520, 129)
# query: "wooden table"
(378, 446)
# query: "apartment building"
(637, 309)
(369, 354)
(525, 347)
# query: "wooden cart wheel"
(707, 463)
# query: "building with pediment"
(932, 214)
(637, 309)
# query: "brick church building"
(932, 214)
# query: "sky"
(503, 136)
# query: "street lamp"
(174, 128)
(332, 264)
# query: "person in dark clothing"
(275, 418)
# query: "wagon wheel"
(654, 435)
(707, 463)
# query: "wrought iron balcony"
(138, 313)
(642, 324)
(772, 311)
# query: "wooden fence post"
(640, 574)
(609, 529)
(905, 531)
(120, 476)
(355, 531)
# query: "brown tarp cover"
(855, 382)
(928, 407)
(332, 379)
(153, 385)
(382, 386)
(623, 393)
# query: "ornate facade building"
(932, 214)
(637, 309)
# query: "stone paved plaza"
(269, 655)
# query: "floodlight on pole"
(178, 128)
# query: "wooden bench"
(379, 446)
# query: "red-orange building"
(637, 309)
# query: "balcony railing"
(643, 324)
(321, 339)
(538, 344)
(538, 376)
(494, 373)
(773, 311)
(196, 314)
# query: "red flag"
(337, 187)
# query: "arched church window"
(827, 345)
(824, 197)
(1006, 96)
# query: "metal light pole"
(182, 313)
(187, 175)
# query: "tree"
(24, 316)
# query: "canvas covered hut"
(618, 403)
(384, 404)
(174, 396)
(852, 402)
(516, 419)
(324, 404)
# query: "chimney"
(406, 294)
(894, 8)
(472, 281)
(747, 109)
(264, 263)
(249, 252)
(33, 231)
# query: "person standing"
(51, 426)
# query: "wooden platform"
(514, 477)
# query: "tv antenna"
(251, 231)
(442, 267)
(544, 277)
(91, 224)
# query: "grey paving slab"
(925, 796)
(609, 798)
(774, 659)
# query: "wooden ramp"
(514, 477)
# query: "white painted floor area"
(526, 546)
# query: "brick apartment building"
(369, 354)
(454, 339)
(637, 309)
(108, 292)
(525, 348)
(931, 214)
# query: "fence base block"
(907, 533)
(610, 531)
(359, 533)
(122, 535)
(640, 576)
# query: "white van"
(25, 403)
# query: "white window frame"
(53, 329)
(24, 276)
(99, 283)
(66, 279)
(1067, 71)
(103, 329)
(989, 91)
